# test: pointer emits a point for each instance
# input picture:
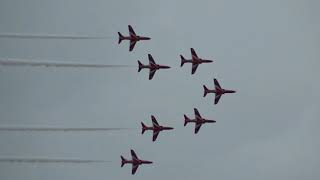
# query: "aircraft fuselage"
(222, 91)
(201, 121)
(137, 162)
(135, 38)
(160, 128)
(195, 60)
(155, 66)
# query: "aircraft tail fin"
(205, 91)
(123, 161)
(183, 60)
(120, 37)
(144, 128)
(186, 120)
(140, 66)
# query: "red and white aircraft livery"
(156, 128)
(198, 120)
(136, 162)
(195, 60)
(219, 91)
(152, 66)
(133, 38)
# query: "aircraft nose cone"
(149, 162)
(170, 128)
(166, 67)
(148, 38)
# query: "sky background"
(266, 50)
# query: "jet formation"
(156, 128)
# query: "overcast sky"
(266, 50)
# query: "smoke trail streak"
(47, 160)
(57, 129)
(19, 62)
(50, 36)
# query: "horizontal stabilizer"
(186, 120)
(140, 66)
(144, 128)
(205, 91)
(123, 161)
(120, 37)
(183, 60)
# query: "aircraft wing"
(151, 73)
(216, 83)
(194, 67)
(134, 168)
(197, 128)
(155, 135)
(132, 44)
(217, 98)
(151, 60)
(196, 113)
(193, 53)
(134, 156)
(154, 121)
(131, 31)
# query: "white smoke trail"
(48, 160)
(19, 62)
(59, 129)
(50, 36)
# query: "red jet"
(133, 38)
(198, 120)
(136, 162)
(152, 66)
(195, 61)
(218, 91)
(156, 128)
